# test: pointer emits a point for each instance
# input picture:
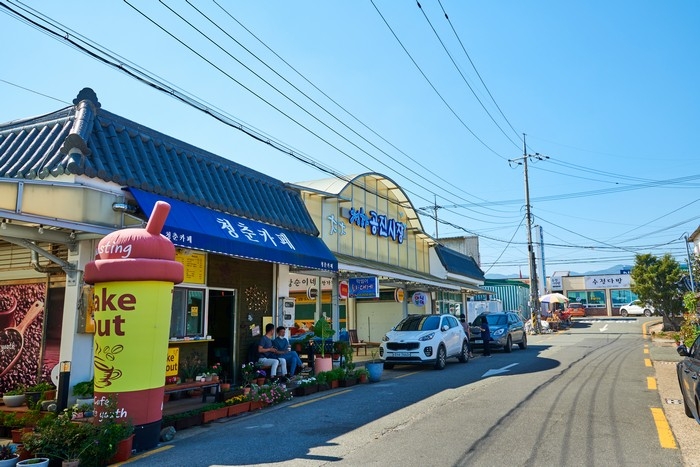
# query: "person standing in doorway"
(486, 336)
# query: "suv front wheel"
(441, 360)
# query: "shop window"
(589, 298)
(622, 297)
(187, 314)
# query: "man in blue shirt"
(284, 350)
(268, 353)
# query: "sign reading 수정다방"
(364, 287)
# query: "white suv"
(424, 339)
(636, 308)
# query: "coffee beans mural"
(22, 311)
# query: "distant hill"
(611, 270)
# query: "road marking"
(300, 404)
(498, 371)
(604, 328)
(646, 351)
(663, 429)
(145, 454)
(647, 362)
(651, 382)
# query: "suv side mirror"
(682, 350)
(445, 328)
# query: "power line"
(433, 86)
(462, 75)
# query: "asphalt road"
(579, 397)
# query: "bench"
(357, 344)
(203, 385)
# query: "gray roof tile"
(84, 139)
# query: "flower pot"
(18, 432)
(334, 384)
(260, 381)
(237, 409)
(85, 401)
(124, 448)
(363, 378)
(347, 382)
(32, 398)
(211, 415)
(225, 386)
(306, 390)
(322, 364)
(9, 462)
(15, 400)
(75, 463)
(35, 462)
(215, 378)
(375, 371)
(256, 405)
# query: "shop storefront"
(80, 173)
(601, 294)
(385, 267)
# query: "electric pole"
(534, 298)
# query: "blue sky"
(607, 90)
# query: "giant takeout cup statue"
(133, 273)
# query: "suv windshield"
(494, 320)
(419, 323)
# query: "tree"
(656, 281)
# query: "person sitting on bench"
(285, 351)
(268, 354)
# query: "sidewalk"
(686, 430)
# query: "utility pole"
(436, 207)
(534, 298)
(690, 265)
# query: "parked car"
(424, 339)
(636, 307)
(506, 328)
(688, 371)
(577, 310)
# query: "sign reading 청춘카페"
(363, 287)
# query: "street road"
(577, 397)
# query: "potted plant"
(14, 397)
(214, 411)
(35, 462)
(362, 374)
(35, 393)
(8, 455)
(85, 392)
(238, 404)
(191, 366)
(56, 437)
(375, 367)
(323, 330)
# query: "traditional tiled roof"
(84, 139)
(457, 263)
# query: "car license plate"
(402, 354)
(478, 341)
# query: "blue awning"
(191, 226)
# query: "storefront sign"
(193, 263)
(172, 366)
(378, 224)
(364, 287)
(301, 282)
(399, 295)
(608, 281)
(419, 299)
(343, 289)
